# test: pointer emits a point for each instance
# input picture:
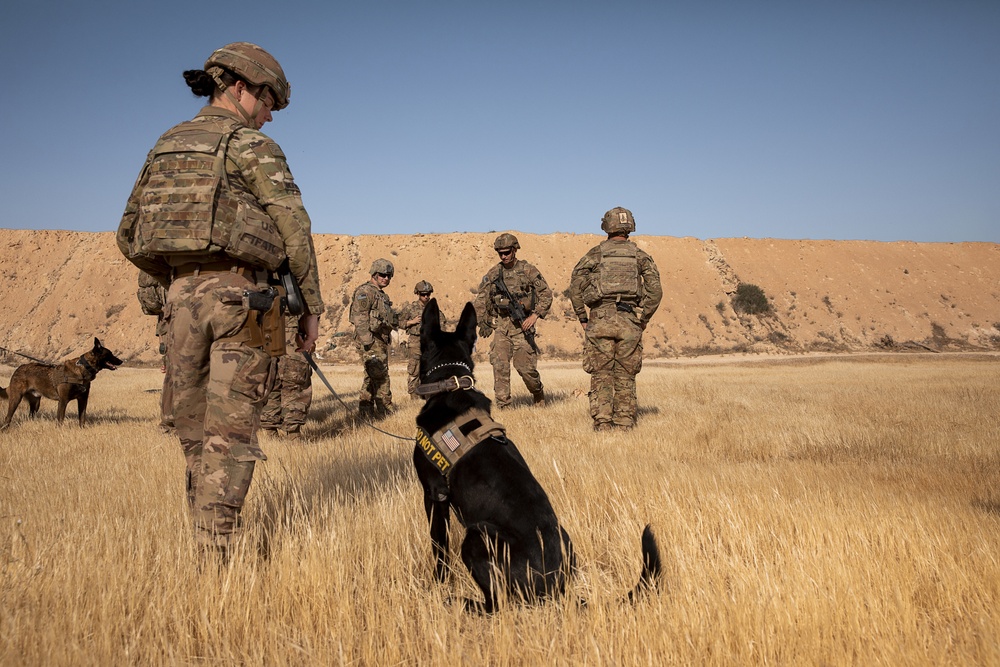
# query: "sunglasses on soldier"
(383, 275)
(505, 252)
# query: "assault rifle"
(517, 312)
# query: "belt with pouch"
(190, 269)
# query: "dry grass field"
(813, 511)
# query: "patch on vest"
(446, 446)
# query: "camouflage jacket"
(372, 314)
(258, 173)
(411, 310)
(524, 281)
(582, 292)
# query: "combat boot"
(603, 426)
(539, 398)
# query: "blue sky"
(804, 120)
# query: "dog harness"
(447, 445)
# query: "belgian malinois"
(63, 382)
(465, 461)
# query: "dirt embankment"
(60, 289)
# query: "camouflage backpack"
(617, 275)
(187, 207)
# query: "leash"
(315, 367)
(26, 356)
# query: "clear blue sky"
(795, 119)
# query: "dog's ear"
(430, 321)
(466, 329)
(97, 343)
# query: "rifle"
(517, 312)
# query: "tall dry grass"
(841, 511)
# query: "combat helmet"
(383, 266)
(423, 287)
(617, 221)
(255, 66)
(506, 240)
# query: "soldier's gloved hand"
(485, 331)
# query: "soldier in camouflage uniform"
(528, 286)
(620, 284)
(288, 403)
(410, 317)
(153, 297)
(374, 319)
(213, 212)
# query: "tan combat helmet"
(505, 241)
(423, 287)
(255, 66)
(383, 266)
(618, 221)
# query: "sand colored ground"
(60, 289)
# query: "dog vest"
(457, 438)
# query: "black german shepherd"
(63, 382)
(513, 539)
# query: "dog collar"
(457, 438)
(454, 383)
(82, 361)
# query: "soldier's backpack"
(186, 205)
(617, 275)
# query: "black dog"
(465, 461)
(63, 382)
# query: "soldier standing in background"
(374, 320)
(288, 403)
(153, 298)
(409, 318)
(214, 211)
(526, 284)
(621, 286)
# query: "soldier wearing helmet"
(374, 319)
(213, 213)
(526, 284)
(620, 284)
(410, 317)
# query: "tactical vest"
(188, 208)
(617, 275)
(520, 286)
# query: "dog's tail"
(3, 394)
(651, 565)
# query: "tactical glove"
(485, 331)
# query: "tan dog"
(63, 382)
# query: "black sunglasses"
(423, 293)
(384, 275)
(504, 253)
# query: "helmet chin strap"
(216, 74)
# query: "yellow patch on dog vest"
(457, 438)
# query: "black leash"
(26, 356)
(322, 377)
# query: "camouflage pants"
(413, 365)
(167, 395)
(376, 392)
(288, 403)
(612, 354)
(218, 388)
(509, 345)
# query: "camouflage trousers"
(612, 354)
(510, 345)
(288, 403)
(218, 388)
(376, 392)
(167, 395)
(413, 365)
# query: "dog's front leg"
(438, 512)
(437, 505)
(63, 391)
